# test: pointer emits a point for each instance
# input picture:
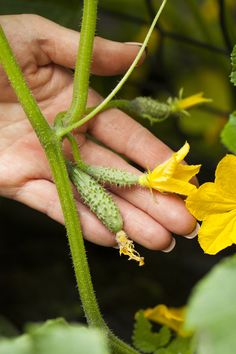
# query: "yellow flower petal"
(226, 176)
(171, 176)
(186, 172)
(170, 317)
(164, 170)
(175, 186)
(217, 232)
(215, 204)
(191, 101)
(182, 153)
(208, 200)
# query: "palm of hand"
(24, 171)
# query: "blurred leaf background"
(190, 48)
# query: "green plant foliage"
(56, 337)
(178, 345)
(212, 313)
(233, 62)
(145, 339)
(228, 134)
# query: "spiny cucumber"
(111, 175)
(101, 203)
(97, 199)
(148, 108)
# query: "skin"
(46, 52)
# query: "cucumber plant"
(51, 139)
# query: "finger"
(141, 228)
(168, 210)
(42, 195)
(123, 134)
(61, 45)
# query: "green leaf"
(212, 310)
(228, 135)
(56, 337)
(233, 63)
(18, 345)
(178, 346)
(146, 340)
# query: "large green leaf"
(56, 337)
(145, 339)
(228, 135)
(212, 310)
(19, 345)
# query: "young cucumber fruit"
(101, 203)
(97, 199)
(111, 175)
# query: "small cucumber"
(148, 108)
(97, 199)
(111, 175)
(101, 203)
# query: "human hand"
(46, 52)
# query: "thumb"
(109, 57)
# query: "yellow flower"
(215, 204)
(172, 176)
(171, 317)
(126, 247)
(181, 104)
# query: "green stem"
(121, 104)
(55, 156)
(83, 63)
(75, 150)
(83, 278)
(63, 131)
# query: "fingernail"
(194, 232)
(138, 44)
(116, 247)
(170, 247)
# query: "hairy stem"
(121, 104)
(83, 63)
(63, 131)
(75, 150)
